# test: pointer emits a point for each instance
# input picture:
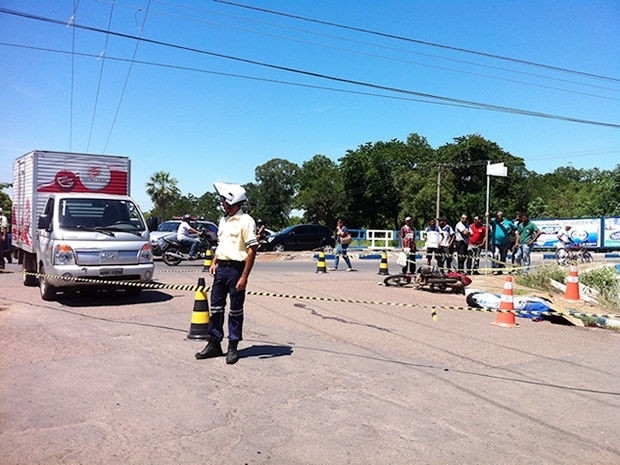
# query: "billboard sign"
(586, 231)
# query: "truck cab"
(96, 240)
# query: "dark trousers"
(462, 256)
(1, 254)
(500, 253)
(474, 252)
(446, 258)
(226, 278)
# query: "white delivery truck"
(75, 225)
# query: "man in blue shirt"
(500, 236)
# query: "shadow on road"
(96, 298)
(266, 351)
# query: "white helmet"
(231, 193)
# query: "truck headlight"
(64, 255)
(146, 254)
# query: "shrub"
(605, 281)
(539, 278)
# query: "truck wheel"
(48, 292)
(30, 277)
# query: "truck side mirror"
(43, 222)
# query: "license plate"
(111, 272)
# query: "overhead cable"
(478, 105)
(417, 41)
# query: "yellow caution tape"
(434, 316)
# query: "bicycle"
(573, 254)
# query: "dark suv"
(300, 237)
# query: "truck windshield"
(110, 214)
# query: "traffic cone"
(506, 317)
(208, 260)
(321, 267)
(383, 266)
(572, 285)
(200, 315)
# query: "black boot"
(212, 349)
(232, 355)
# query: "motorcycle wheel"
(396, 280)
(169, 259)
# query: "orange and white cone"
(572, 285)
(506, 317)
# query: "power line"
(76, 4)
(401, 60)
(120, 100)
(235, 75)
(473, 104)
(417, 41)
(370, 44)
(107, 39)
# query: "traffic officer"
(231, 266)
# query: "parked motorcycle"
(174, 252)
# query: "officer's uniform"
(235, 235)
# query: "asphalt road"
(341, 370)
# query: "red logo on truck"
(65, 180)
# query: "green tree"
(5, 200)
(571, 192)
(275, 191)
(417, 186)
(163, 190)
(465, 161)
(321, 191)
(370, 176)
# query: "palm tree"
(162, 189)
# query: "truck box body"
(74, 223)
(39, 173)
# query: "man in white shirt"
(446, 244)
(432, 237)
(188, 236)
(564, 238)
(462, 232)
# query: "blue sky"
(205, 96)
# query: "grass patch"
(605, 281)
(539, 278)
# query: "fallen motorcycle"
(174, 252)
(432, 279)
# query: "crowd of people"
(461, 247)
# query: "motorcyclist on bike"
(188, 236)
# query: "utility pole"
(438, 191)
(495, 169)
